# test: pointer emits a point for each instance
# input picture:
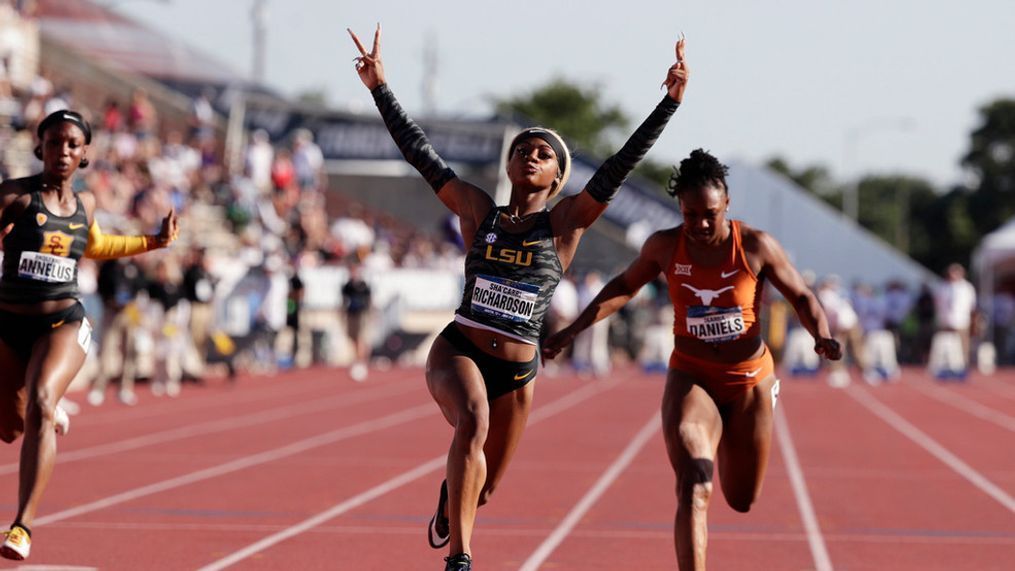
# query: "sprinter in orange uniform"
(721, 388)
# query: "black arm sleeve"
(411, 140)
(613, 172)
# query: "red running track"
(309, 470)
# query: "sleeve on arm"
(603, 185)
(411, 140)
(105, 247)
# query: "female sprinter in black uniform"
(480, 369)
(44, 335)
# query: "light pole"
(259, 18)
(851, 198)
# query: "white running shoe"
(70, 406)
(17, 543)
(61, 420)
(128, 398)
(96, 397)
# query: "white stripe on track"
(246, 462)
(964, 403)
(402, 479)
(592, 496)
(815, 539)
(335, 511)
(930, 445)
(97, 416)
(221, 425)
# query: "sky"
(861, 86)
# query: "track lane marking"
(432, 465)
(272, 455)
(101, 415)
(560, 533)
(966, 404)
(815, 539)
(221, 425)
(913, 433)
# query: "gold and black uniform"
(41, 256)
(510, 278)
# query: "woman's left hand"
(828, 348)
(678, 74)
(170, 230)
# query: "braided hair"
(699, 170)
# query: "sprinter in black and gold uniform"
(44, 335)
(480, 369)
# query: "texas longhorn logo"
(707, 296)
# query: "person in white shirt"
(955, 304)
(844, 325)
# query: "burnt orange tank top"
(716, 303)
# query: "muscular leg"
(508, 416)
(745, 446)
(12, 394)
(457, 386)
(56, 359)
(692, 427)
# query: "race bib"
(715, 324)
(504, 298)
(47, 267)
(85, 335)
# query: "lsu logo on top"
(508, 256)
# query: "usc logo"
(56, 243)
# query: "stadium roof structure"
(122, 43)
(816, 236)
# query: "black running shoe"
(460, 562)
(439, 530)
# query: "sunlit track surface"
(309, 470)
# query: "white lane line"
(334, 511)
(246, 462)
(930, 445)
(221, 425)
(815, 539)
(592, 496)
(95, 416)
(964, 403)
(402, 479)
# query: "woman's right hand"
(557, 342)
(368, 65)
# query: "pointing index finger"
(359, 45)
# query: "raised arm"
(777, 267)
(584, 208)
(467, 201)
(615, 294)
(108, 246)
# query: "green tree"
(887, 208)
(815, 179)
(991, 161)
(577, 112)
(943, 230)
